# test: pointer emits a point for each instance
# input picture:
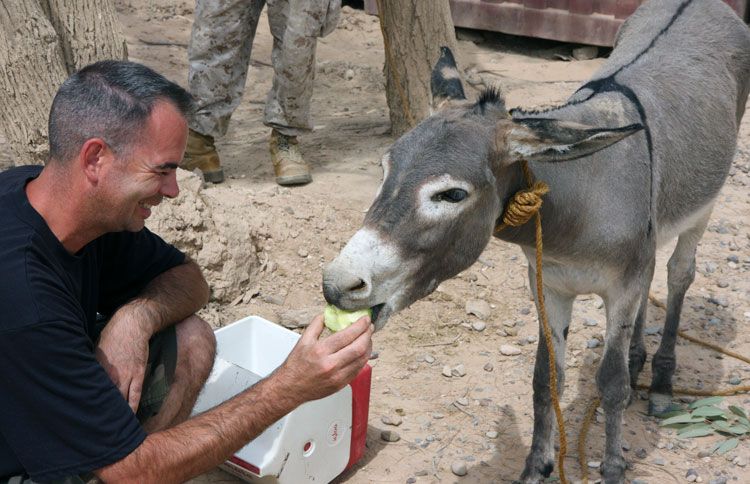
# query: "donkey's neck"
(513, 181)
(568, 207)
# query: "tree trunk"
(413, 32)
(47, 40)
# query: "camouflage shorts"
(162, 360)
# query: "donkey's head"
(444, 186)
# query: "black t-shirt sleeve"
(60, 411)
(129, 262)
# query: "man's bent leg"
(287, 107)
(195, 353)
(221, 42)
(180, 359)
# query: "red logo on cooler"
(334, 433)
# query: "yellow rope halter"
(525, 203)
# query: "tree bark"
(413, 32)
(47, 40)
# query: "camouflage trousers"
(219, 56)
(160, 368)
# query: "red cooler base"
(360, 411)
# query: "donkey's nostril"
(359, 286)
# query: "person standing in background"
(219, 56)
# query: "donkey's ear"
(445, 82)
(539, 139)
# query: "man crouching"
(102, 354)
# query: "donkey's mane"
(490, 97)
(523, 112)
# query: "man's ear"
(93, 157)
(551, 140)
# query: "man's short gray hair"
(110, 100)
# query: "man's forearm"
(201, 443)
(171, 297)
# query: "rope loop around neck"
(525, 203)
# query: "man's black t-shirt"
(60, 414)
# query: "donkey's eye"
(454, 195)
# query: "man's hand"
(123, 352)
(123, 345)
(317, 368)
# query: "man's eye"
(454, 195)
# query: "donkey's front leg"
(541, 459)
(613, 379)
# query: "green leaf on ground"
(724, 447)
(739, 411)
(684, 418)
(670, 413)
(722, 426)
(695, 430)
(705, 402)
(739, 429)
(710, 412)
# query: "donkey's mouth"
(376, 311)
(380, 313)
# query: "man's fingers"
(359, 360)
(122, 384)
(359, 349)
(313, 330)
(345, 337)
(135, 392)
(124, 388)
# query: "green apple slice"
(337, 319)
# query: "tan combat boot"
(288, 165)
(200, 153)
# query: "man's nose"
(169, 187)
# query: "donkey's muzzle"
(340, 287)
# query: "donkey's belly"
(665, 232)
(576, 277)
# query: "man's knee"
(196, 346)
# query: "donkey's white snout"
(341, 287)
(368, 273)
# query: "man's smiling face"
(143, 177)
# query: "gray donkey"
(635, 158)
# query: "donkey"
(634, 158)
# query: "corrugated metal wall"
(592, 22)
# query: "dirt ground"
(263, 248)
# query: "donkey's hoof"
(613, 470)
(537, 469)
(660, 403)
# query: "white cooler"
(313, 443)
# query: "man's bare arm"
(123, 345)
(171, 297)
(314, 369)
